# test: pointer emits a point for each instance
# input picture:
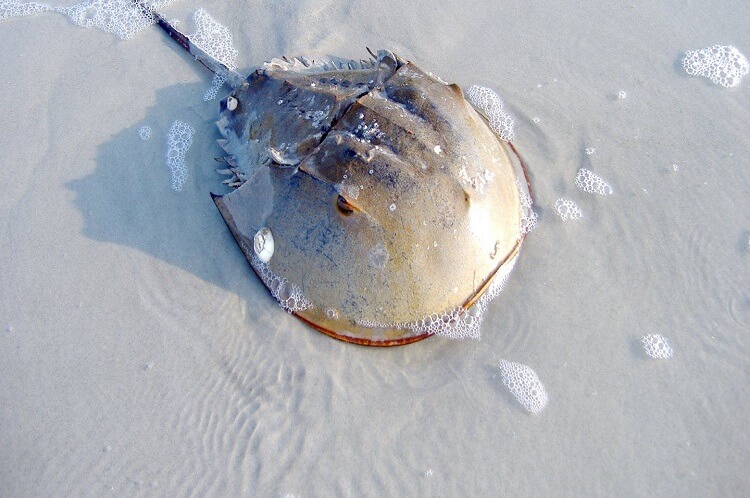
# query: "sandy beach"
(141, 356)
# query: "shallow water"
(140, 355)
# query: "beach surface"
(140, 355)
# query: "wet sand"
(139, 354)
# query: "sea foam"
(13, 8)
(489, 103)
(657, 346)
(592, 183)
(524, 385)
(179, 140)
(568, 210)
(722, 64)
(121, 17)
(216, 40)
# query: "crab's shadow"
(129, 199)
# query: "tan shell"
(389, 199)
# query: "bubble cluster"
(454, 324)
(179, 140)
(121, 17)
(289, 295)
(622, 94)
(524, 385)
(568, 210)
(722, 64)
(14, 8)
(216, 83)
(458, 323)
(656, 346)
(589, 182)
(144, 132)
(489, 103)
(528, 215)
(216, 40)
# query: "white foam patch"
(458, 323)
(13, 8)
(589, 182)
(489, 103)
(179, 140)
(528, 216)
(524, 385)
(121, 17)
(657, 346)
(216, 83)
(722, 64)
(568, 210)
(144, 132)
(216, 40)
(289, 295)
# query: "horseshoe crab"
(370, 197)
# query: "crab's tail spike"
(232, 78)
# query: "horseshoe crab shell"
(388, 202)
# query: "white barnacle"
(263, 244)
(232, 103)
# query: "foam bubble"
(489, 103)
(144, 132)
(121, 17)
(216, 40)
(179, 140)
(722, 64)
(657, 346)
(568, 210)
(622, 94)
(14, 8)
(524, 385)
(289, 295)
(457, 323)
(216, 83)
(528, 215)
(589, 182)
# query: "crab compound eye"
(344, 206)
